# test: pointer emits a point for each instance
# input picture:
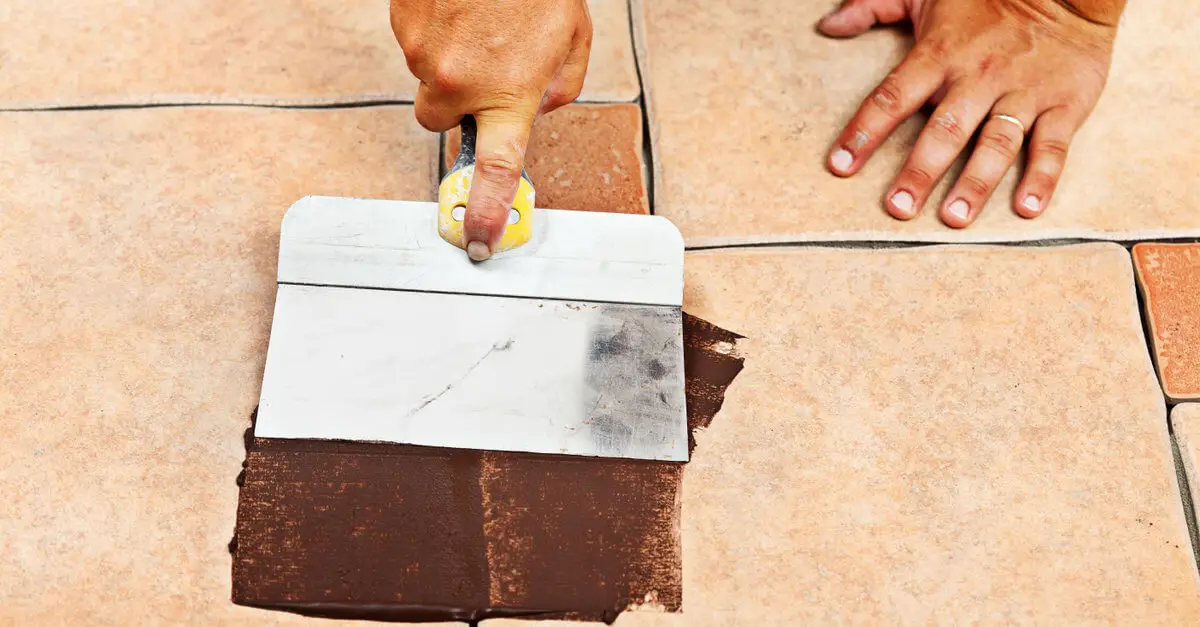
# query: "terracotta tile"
(279, 51)
(1185, 421)
(740, 146)
(585, 157)
(1169, 277)
(931, 436)
(138, 254)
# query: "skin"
(1041, 62)
(505, 65)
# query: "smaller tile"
(1169, 278)
(585, 157)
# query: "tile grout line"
(898, 243)
(350, 104)
(647, 137)
(1185, 494)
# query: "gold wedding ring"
(1009, 118)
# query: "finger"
(567, 84)
(899, 96)
(499, 157)
(943, 139)
(1048, 147)
(854, 17)
(435, 111)
(996, 150)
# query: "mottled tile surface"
(740, 145)
(584, 157)
(137, 256)
(87, 52)
(1169, 276)
(932, 436)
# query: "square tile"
(934, 435)
(931, 436)
(1169, 278)
(138, 252)
(92, 52)
(584, 157)
(746, 97)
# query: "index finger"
(896, 99)
(499, 160)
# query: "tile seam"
(647, 137)
(1185, 495)
(901, 243)
(346, 104)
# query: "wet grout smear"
(395, 532)
(710, 363)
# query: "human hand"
(505, 62)
(1011, 65)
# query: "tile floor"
(928, 435)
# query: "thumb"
(499, 158)
(853, 18)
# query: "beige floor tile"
(746, 97)
(932, 436)
(137, 256)
(87, 52)
(1185, 419)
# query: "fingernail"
(478, 251)
(1032, 203)
(959, 209)
(841, 160)
(903, 201)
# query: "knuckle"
(974, 185)
(918, 175)
(889, 96)
(446, 77)
(1040, 182)
(1005, 144)
(556, 99)
(937, 48)
(498, 166)
(490, 216)
(415, 54)
(1052, 150)
(425, 115)
(946, 126)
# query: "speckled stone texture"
(1169, 277)
(87, 52)
(932, 436)
(137, 256)
(584, 157)
(745, 98)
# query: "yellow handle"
(452, 205)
